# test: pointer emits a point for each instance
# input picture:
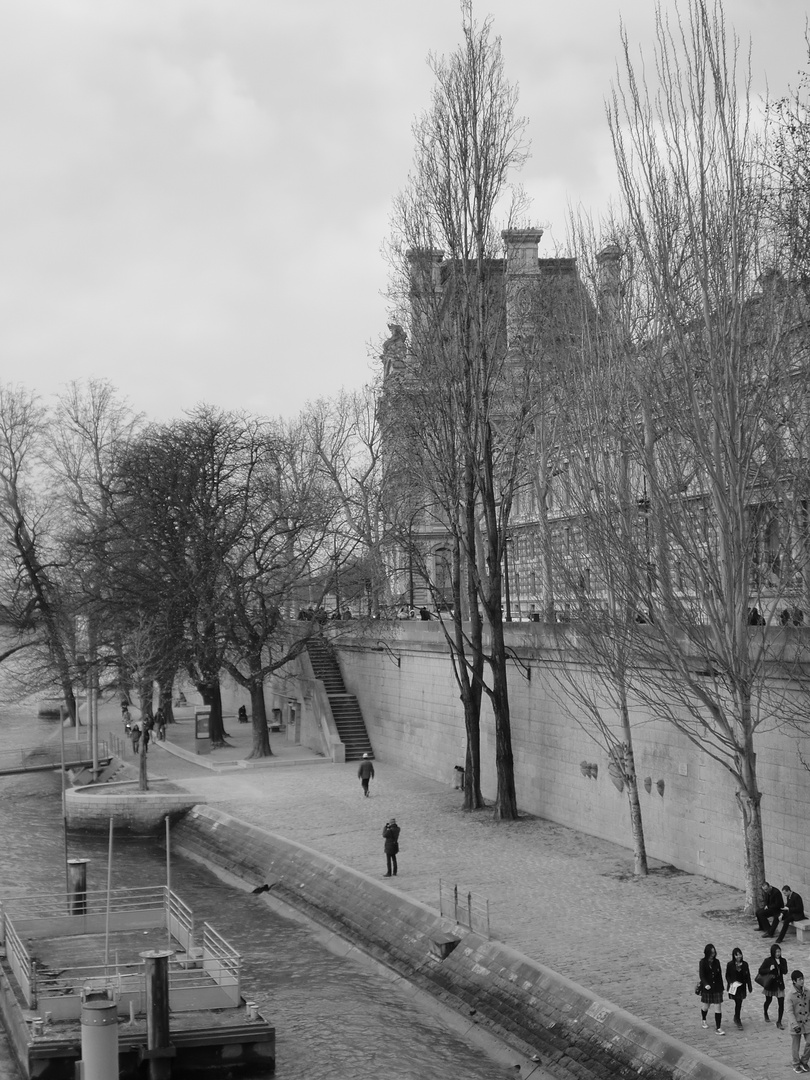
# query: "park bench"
(802, 927)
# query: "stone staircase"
(345, 707)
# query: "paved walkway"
(566, 899)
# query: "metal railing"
(204, 977)
(55, 905)
(120, 747)
(33, 757)
(20, 963)
(222, 962)
(180, 921)
(464, 908)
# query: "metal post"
(93, 710)
(99, 1023)
(168, 885)
(469, 910)
(158, 1052)
(77, 886)
(109, 883)
(62, 717)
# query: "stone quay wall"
(91, 807)
(414, 717)
(540, 1014)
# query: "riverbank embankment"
(537, 1011)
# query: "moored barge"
(59, 952)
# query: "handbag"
(765, 980)
(698, 988)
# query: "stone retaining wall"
(531, 1008)
(91, 807)
(414, 719)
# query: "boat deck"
(59, 955)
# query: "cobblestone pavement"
(566, 899)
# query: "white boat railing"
(205, 976)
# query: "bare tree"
(285, 546)
(90, 430)
(715, 475)
(466, 146)
(40, 596)
(597, 551)
(345, 432)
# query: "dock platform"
(59, 952)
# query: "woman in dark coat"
(711, 987)
(738, 972)
(391, 834)
(775, 965)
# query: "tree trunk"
(165, 691)
(749, 800)
(261, 736)
(146, 692)
(143, 782)
(470, 680)
(631, 779)
(211, 693)
(506, 798)
(70, 701)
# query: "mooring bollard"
(158, 1052)
(99, 1023)
(77, 886)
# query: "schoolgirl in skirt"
(710, 975)
(775, 965)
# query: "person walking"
(365, 772)
(391, 835)
(738, 983)
(771, 977)
(799, 1002)
(711, 988)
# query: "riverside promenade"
(563, 898)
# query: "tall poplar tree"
(467, 146)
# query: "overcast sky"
(195, 192)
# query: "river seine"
(334, 1017)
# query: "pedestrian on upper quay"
(711, 988)
(771, 907)
(391, 835)
(365, 772)
(799, 1002)
(738, 983)
(160, 724)
(792, 911)
(771, 977)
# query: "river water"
(335, 1017)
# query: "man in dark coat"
(771, 907)
(391, 835)
(365, 772)
(792, 911)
